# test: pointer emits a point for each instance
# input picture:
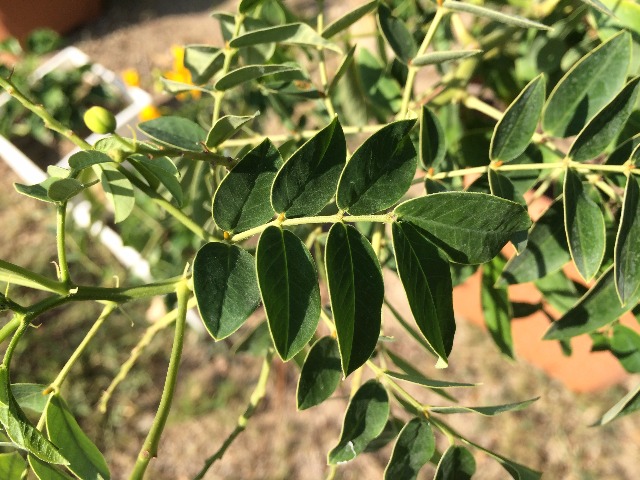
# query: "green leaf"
(435, 58)
(559, 291)
(457, 463)
(415, 446)
(203, 62)
(37, 191)
(585, 227)
(172, 86)
(118, 189)
(289, 289)
(85, 460)
(434, 186)
(425, 276)
(397, 34)
(62, 189)
(308, 180)
(289, 34)
(598, 5)
(606, 125)
(347, 61)
(364, 420)
(160, 170)
(513, 132)
(88, 158)
(546, 251)
(30, 396)
(597, 308)
(250, 72)
(487, 411)
(517, 471)
(320, 375)
(432, 143)
(627, 404)
(587, 87)
(380, 171)
(11, 466)
(419, 379)
(225, 128)
(225, 285)
(240, 200)
(58, 172)
(627, 247)
(176, 132)
(348, 19)
(247, 5)
(18, 428)
(493, 15)
(356, 291)
(496, 307)
(44, 471)
(502, 187)
(625, 345)
(469, 227)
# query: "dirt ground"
(552, 435)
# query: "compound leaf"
(606, 125)
(415, 446)
(176, 132)
(380, 171)
(356, 290)
(308, 180)
(457, 463)
(239, 202)
(85, 460)
(432, 143)
(469, 227)
(364, 420)
(225, 286)
(587, 86)
(627, 247)
(289, 289)
(425, 276)
(513, 132)
(585, 226)
(547, 250)
(320, 375)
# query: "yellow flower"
(131, 77)
(181, 74)
(149, 113)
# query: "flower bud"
(100, 120)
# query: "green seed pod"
(100, 120)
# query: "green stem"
(33, 280)
(257, 395)
(136, 352)
(11, 326)
(168, 207)
(300, 135)
(149, 449)
(60, 242)
(228, 56)
(49, 122)
(20, 331)
(57, 383)
(413, 71)
(310, 220)
(322, 66)
(397, 388)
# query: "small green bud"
(100, 120)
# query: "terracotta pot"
(584, 370)
(19, 17)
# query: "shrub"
(322, 199)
